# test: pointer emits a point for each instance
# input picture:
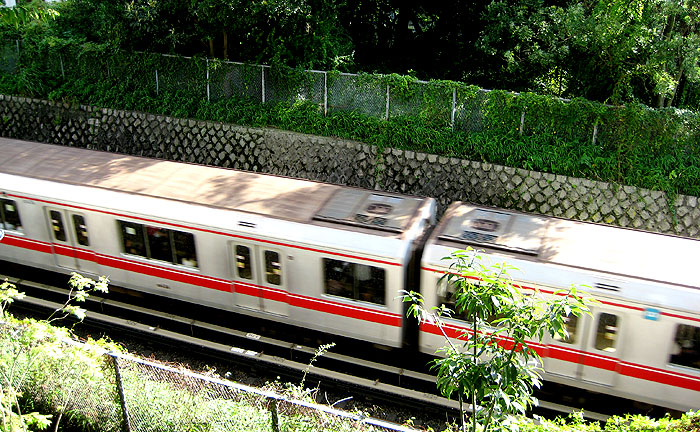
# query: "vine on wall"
(635, 145)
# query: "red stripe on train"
(311, 303)
(173, 275)
(208, 231)
(319, 305)
(659, 375)
(465, 333)
(646, 373)
(25, 243)
(605, 302)
(564, 354)
(348, 311)
(258, 291)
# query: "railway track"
(408, 388)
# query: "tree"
(675, 56)
(495, 369)
(615, 51)
(296, 33)
(213, 17)
(522, 46)
(29, 13)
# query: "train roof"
(268, 195)
(589, 246)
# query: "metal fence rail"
(108, 391)
(194, 401)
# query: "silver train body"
(334, 258)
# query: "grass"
(50, 373)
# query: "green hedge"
(634, 145)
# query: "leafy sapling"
(493, 365)
(80, 288)
(8, 294)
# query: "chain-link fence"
(454, 105)
(214, 80)
(91, 389)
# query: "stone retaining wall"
(346, 162)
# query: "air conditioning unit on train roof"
(496, 229)
(369, 209)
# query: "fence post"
(63, 72)
(208, 97)
(595, 132)
(122, 400)
(522, 122)
(157, 84)
(275, 418)
(262, 93)
(325, 94)
(386, 116)
(454, 108)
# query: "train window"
(340, 278)
(273, 268)
(243, 264)
(81, 233)
(571, 322)
(446, 293)
(59, 232)
(185, 252)
(606, 333)
(159, 244)
(133, 238)
(10, 215)
(354, 281)
(687, 346)
(446, 290)
(370, 283)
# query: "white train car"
(315, 255)
(333, 258)
(643, 339)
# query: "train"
(334, 258)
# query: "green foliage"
(22, 16)
(76, 382)
(80, 288)
(654, 149)
(492, 366)
(522, 46)
(36, 367)
(607, 50)
(320, 351)
(299, 33)
(402, 86)
(8, 294)
(689, 422)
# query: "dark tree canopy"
(607, 50)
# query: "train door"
(70, 241)
(564, 355)
(600, 362)
(259, 281)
